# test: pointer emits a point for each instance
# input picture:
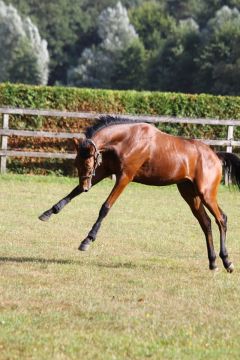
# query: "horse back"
(173, 159)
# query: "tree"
(129, 69)
(24, 56)
(185, 9)
(68, 26)
(152, 24)
(114, 28)
(95, 66)
(173, 68)
(65, 26)
(219, 58)
(210, 7)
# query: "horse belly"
(166, 174)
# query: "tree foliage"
(130, 67)
(95, 67)
(185, 8)
(24, 56)
(219, 59)
(175, 64)
(189, 45)
(64, 25)
(152, 24)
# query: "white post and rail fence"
(5, 131)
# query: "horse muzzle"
(86, 185)
(85, 189)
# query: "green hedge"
(122, 102)
(132, 102)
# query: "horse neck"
(108, 137)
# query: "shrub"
(109, 101)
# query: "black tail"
(231, 165)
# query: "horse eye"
(84, 153)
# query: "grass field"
(143, 290)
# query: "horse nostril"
(85, 190)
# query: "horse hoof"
(230, 268)
(85, 244)
(45, 216)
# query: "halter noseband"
(97, 159)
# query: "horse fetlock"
(56, 209)
(85, 244)
(223, 255)
(213, 267)
(60, 205)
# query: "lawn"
(143, 290)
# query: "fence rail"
(144, 118)
(5, 132)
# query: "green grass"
(143, 290)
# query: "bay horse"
(139, 152)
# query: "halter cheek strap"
(90, 141)
(97, 155)
(97, 158)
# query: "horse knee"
(104, 211)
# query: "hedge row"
(109, 101)
(132, 102)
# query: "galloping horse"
(139, 152)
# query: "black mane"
(105, 121)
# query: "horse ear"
(77, 143)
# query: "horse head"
(87, 160)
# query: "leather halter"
(97, 159)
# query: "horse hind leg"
(189, 194)
(223, 251)
(222, 224)
(209, 199)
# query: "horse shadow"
(38, 260)
(23, 259)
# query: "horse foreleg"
(120, 185)
(55, 209)
(101, 173)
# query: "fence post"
(230, 137)
(4, 144)
(229, 150)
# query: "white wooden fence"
(5, 131)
